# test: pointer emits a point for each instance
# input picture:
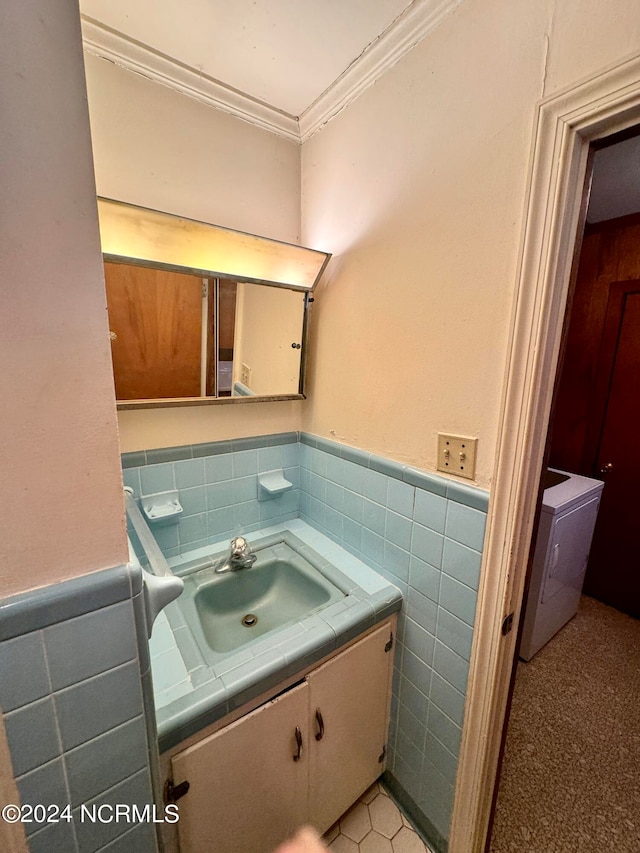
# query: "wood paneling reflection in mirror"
(183, 336)
(155, 320)
(226, 331)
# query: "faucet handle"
(239, 546)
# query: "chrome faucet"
(241, 557)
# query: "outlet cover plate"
(457, 455)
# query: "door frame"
(565, 126)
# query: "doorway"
(597, 413)
(569, 776)
(566, 124)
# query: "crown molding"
(409, 28)
(392, 44)
(103, 42)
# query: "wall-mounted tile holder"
(271, 484)
(162, 508)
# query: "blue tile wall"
(218, 487)
(74, 712)
(424, 534)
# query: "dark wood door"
(155, 317)
(613, 442)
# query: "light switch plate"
(457, 455)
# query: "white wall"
(268, 321)
(61, 486)
(162, 150)
(586, 36)
(418, 188)
(147, 428)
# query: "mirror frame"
(260, 246)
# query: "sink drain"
(249, 620)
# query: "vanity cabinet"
(349, 708)
(303, 757)
(245, 790)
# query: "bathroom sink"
(235, 608)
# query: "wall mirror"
(203, 314)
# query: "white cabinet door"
(247, 793)
(351, 694)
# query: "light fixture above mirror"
(203, 314)
(139, 234)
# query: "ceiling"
(282, 52)
(615, 185)
(287, 65)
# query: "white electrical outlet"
(457, 455)
(245, 375)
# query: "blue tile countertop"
(194, 689)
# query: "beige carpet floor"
(570, 780)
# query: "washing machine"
(569, 510)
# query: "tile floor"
(374, 824)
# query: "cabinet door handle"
(320, 722)
(298, 754)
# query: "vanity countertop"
(190, 693)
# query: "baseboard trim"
(423, 826)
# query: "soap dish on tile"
(162, 509)
(272, 483)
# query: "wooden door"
(226, 330)
(349, 705)
(155, 318)
(247, 793)
(613, 437)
